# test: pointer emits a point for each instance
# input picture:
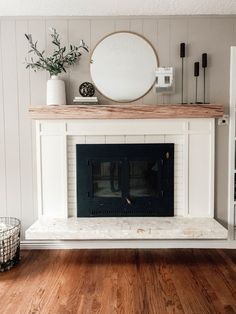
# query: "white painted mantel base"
(127, 228)
(193, 176)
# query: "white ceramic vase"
(56, 92)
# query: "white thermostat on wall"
(164, 80)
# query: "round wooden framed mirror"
(123, 66)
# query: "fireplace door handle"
(128, 200)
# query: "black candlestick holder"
(204, 66)
(196, 75)
(182, 56)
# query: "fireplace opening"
(122, 180)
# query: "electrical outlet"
(224, 120)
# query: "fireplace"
(125, 180)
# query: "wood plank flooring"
(121, 281)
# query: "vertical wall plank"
(3, 199)
(99, 29)
(77, 30)
(136, 25)
(38, 80)
(179, 33)
(234, 33)
(10, 94)
(163, 37)
(122, 25)
(25, 128)
(150, 32)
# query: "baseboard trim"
(127, 244)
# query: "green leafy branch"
(59, 60)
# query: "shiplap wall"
(20, 88)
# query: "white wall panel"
(199, 165)
(53, 176)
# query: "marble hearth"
(149, 228)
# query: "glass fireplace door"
(144, 178)
(125, 180)
(106, 178)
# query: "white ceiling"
(115, 7)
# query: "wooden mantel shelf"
(127, 111)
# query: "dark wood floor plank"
(149, 281)
(121, 281)
(214, 268)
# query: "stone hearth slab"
(152, 228)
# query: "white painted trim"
(185, 169)
(128, 244)
(39, 169)
(65, 175)
(212, 168)
(231, 167)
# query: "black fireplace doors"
(125, 180)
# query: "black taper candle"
(204, 60)
(182, 56)
(182, 50)
(204, 65)
(196, 74)
(196, 69)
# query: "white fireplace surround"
(194, 159)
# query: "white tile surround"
(193, 174)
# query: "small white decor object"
(56, 92)
(164, 80)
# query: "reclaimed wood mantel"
(127, 111)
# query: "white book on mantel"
(86, 99)
(84, 102)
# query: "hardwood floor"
(121, 281)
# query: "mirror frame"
(129, 32)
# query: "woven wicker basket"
(9, 242)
